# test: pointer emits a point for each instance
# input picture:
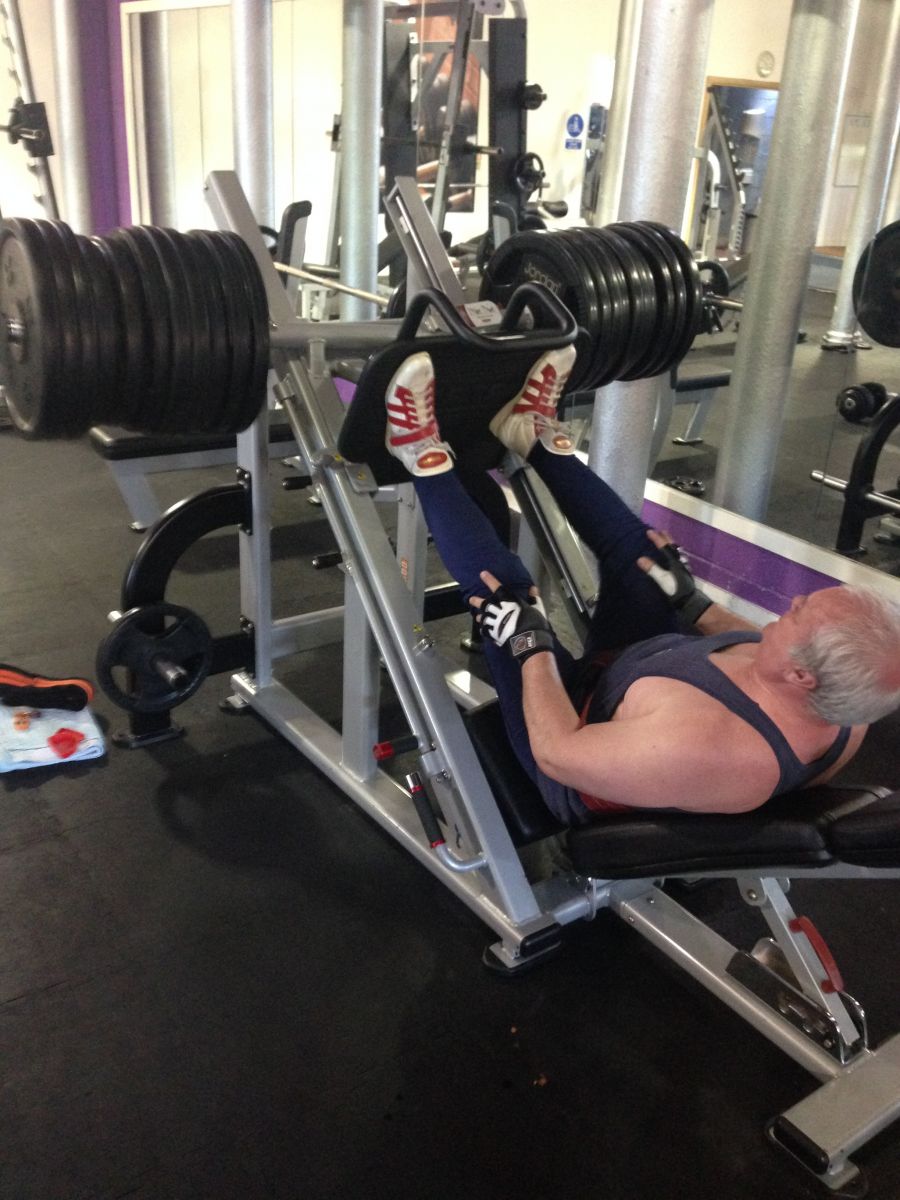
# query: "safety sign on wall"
(574, 130)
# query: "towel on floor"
(32, 737)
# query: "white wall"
(17, 185)
(859, 101)
(571, 45)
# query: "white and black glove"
(675, 580)
(517, 622)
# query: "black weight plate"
(108, 331)
(143, 642)
(619, 334)
(234, 317)
(641, 297)
(205, 271)
(649, 249)
(257, 304)
(31, 358)
(70, 401)
(876, 287)
(153, 413)
(179, 415)
(681, 309)
(130, 322)
(542, 257)
(85, 406)
(644, 308)
(610, 309)
(693, 285)
(192, 349)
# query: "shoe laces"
(542, 393)
(412, 409)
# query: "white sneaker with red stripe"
(412, 431)
(531, 415)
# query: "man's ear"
(802, 678)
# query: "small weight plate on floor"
(234, 318)
(693, 286)
(155, 657)
(154, 414)
(131, 322)
(876, 287)
(31, 349)
(73, 418)
(661, 338)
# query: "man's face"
(807, 613)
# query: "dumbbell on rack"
(862, 500)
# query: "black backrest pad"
(807, 828)
(471, 386)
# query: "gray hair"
(850, 659)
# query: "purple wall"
(755, 574)
(100, 49)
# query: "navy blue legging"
(631, 607)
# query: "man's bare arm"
(719, 619)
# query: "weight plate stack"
(876, 287)
(33, 349)
(633, 287)
(151, 329)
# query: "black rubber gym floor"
(220, 981)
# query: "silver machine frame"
(780, 987)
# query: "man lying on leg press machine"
(722, 721)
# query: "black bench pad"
(117, 444)
(870, 835)
(701, 383)
(809, 828)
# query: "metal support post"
(872, 189)
(464, 18)
(892, 202)
(360, 143)
(669, 77)
(615, 149)
(815, 69)
(251, 73)
(157, 107)
(72, 131)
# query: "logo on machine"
(533, 272)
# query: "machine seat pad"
(798, 829)
(116, 444)
(869, 836)
(524, 812)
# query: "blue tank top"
(686, 658)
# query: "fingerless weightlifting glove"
(676, 581)
(516, 622)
